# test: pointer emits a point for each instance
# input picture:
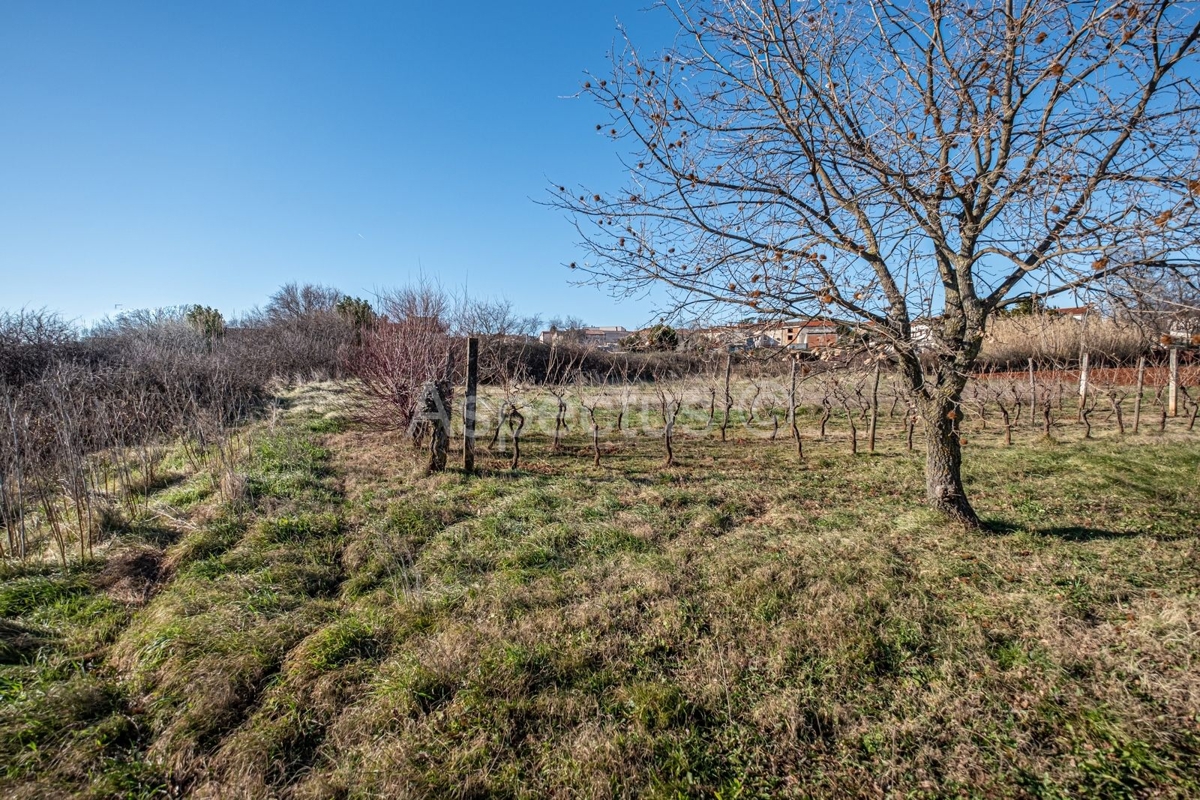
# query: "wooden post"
(874, 410)
(1032, 396)
(728, 396)
(1083, 384)
(1137, 399)
(1173, 383)
(469, 404)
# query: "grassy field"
(745, 624)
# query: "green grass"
(745, 624)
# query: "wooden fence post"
(1141, 386)
(1173, 383)
(728, 396)
(469, 404)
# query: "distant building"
(1078, 314)
(725, 337)
(808, 335)
(604, 338)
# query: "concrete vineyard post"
(1083, 384)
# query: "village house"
(1078, 314)
(808, 336)
(603, 338)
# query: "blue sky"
(158, 154)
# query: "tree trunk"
(1115, 402)
(943, 466)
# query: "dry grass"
(744, 624)
(1055, 339)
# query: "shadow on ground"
(1068, 533)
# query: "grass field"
(744, 624)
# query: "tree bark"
(938, 400)
(943, 466)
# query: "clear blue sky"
(159, 154)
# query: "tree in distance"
(206, 321)
(358, 314)
(660, 338)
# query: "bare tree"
(305, 330)
(850, 396)
(30, 340)
(495, 319)
(512, 377)
(593, 392)
(826, 405)
(295, 301)
(671, 389)
(402, 353)
(561, 370)
(887, 161)
(793, 404)
(569, 330)
(1007, 397)
(752, 401)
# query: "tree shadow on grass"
(1080, 533)
(1067, 533)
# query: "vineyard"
(299, 609)
(665, 574)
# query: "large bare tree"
(897, 163)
